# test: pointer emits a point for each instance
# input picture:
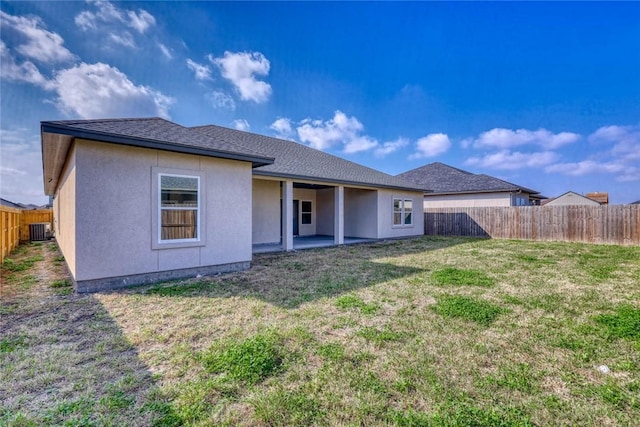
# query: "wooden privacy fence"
(612, 224)
(15, 226)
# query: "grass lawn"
(424, 332)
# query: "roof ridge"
(294, 142)
(529, 190)
(112, 120)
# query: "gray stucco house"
(142, 200)
(449, 187)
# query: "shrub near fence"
(15, 226)
(612, 224)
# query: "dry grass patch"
(430, 331)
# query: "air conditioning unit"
(39, 231)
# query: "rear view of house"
(143, 200)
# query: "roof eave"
(52, 167)
(445, 193)
(255, 160)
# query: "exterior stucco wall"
(360, 213)
(386, 229)
(467, 200)
(115, 204)
(266, 211)
(325, 211)
(65, 212)
(305, 194)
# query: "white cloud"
(85, 20)
(585, 167)
(165, 51)
(241, 69)
(107, 13)
(621, 159)
(99, 90)
(36, 42)
(507, 138)
(341, 129)
(25, 72)
(390, 147)
(141, 21)
(222, 100)
(21, 166)
(282, 127)
(625, 141)
(508, 160)
(241, 124)
(431, 145)
(361, 143)
(124, 38)
(201, 71)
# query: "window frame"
(156, 227)
(402, 212)
(303, 212)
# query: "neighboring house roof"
(297, 161)
(438, 178)
(271, 156)
(571, 198)
(10, 204)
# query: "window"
(402, 212)
(408, 210)
(520, 201)
(306, 212)
(179, 213)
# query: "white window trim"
(402, 212)
(156, 226)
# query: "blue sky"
(545, 95)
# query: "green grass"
(284, 407)
(346, 302)
(22, 264)
(421, 332)
(461, 277)
(468, 308)
(251, 360)
(623, 323)
(12, 343)
(61, 283)
(380, 336)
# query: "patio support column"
(287, 215)
(338, 224)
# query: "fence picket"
(611, 224)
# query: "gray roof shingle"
(270, 156)
(440, 178)
(295, 160)
(154, 130)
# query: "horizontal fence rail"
(611, 224)
(15, 226)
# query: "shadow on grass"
(65, 361)
(291, 279)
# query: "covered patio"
(307, 242)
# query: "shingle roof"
(270, 156)
(153, 130)
(440, 178)
(10, 204)
(295, 160)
